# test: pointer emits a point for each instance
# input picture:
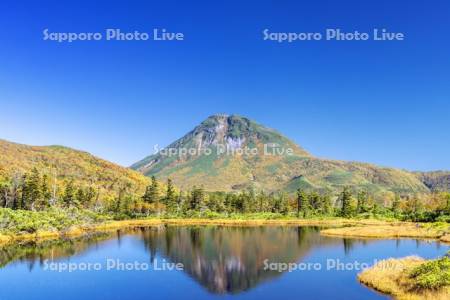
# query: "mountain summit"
(219, 136)
(230, 152)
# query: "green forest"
(34, 201)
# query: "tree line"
(303, 204)
(35, 191)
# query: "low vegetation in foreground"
(50, 220)
(410, 278)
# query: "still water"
(174, 262)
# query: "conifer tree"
(80, 195)
(346, 198)
(15, 189)
(228, 202)
(396, 204)
(361, 205)
(46, 194)
(284, 203)
(24, 193)
(151, 195)
(197, 198)
(4, 188)
(171, 197)
(69, 194)
(327, 206)
(34, 191)
(302, 203)
(262, 202)
(314, 200)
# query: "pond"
(210, 262)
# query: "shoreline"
(368, 228)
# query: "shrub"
(433, 274)
(53, 219)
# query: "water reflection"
(221, 259)
(32, 252)
(231, 259)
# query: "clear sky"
(381, 102)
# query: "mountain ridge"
(64, 163)
(219, 171)
(268, 172)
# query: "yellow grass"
(445, 238)
(281, 222)
(4, 239)
(364, 228)
(113, 225)
(391, 276)
(403, 230)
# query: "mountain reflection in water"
(222, 259)
(231, 259)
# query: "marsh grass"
(410, 278)
(393, 230)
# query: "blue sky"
(382, 102)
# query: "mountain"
(229, 152)
(84, 168)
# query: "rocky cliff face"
(228, 152)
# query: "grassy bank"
(395, 230)
(21, 225)
(410, 278)
(74, 230)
